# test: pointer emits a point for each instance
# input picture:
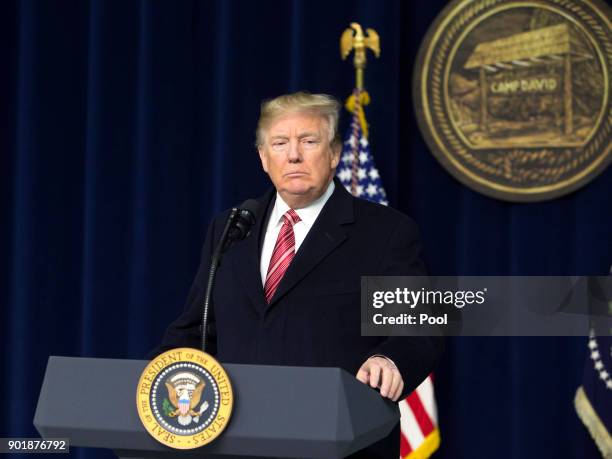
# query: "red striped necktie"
(283, 253)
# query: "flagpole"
(353, 39)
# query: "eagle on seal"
(184, 404)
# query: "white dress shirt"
(308, 215)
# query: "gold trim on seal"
(143, 394)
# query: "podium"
(279, 411)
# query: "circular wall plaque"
(513, 97)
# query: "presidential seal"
(513, 97)
(184, 398)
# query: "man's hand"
(380, 372)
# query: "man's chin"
(298, 187)
(298, 197)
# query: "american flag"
(419, 436)
(357, 170)
(593, 400)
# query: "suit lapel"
(325, 236)
(246, 255)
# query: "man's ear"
(263, 157)
(336, 151)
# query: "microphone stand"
(212, 272)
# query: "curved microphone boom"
(237, 227)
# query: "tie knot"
(291, 217)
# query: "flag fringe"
(593, 423)
(429, 445)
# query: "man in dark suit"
(289, 294)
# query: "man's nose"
(295, 153)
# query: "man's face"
(298, 157)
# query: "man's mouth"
(295, 174)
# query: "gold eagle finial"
(353, 38)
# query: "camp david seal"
(513, 97)
(184, 398)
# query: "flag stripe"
(405, 448)
(420, 414)
(426, 394)
(410, 427)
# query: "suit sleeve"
(186, 330)
(415, 357)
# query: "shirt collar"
(307, 214)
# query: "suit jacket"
(314, 316)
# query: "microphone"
(243, 220)
(237, 227)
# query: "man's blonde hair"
(321, 105)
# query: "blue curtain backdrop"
(126, 125)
